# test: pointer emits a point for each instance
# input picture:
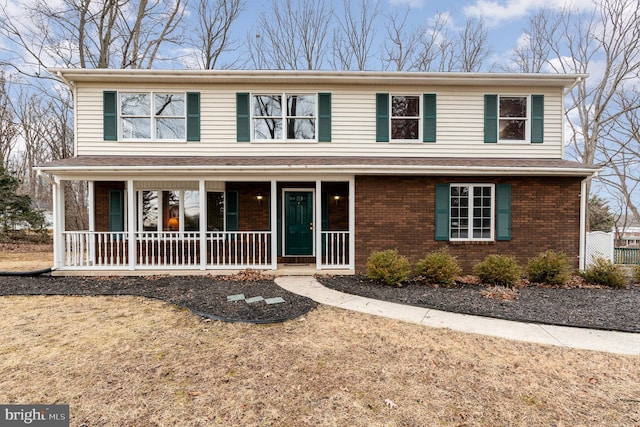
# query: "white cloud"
(496, 11)
(411, 3)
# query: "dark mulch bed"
(587, 307)
(204, 295)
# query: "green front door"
(298, 217)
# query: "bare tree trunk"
(212, 36)
(354, 36)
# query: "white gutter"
(341, 169)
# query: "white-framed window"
(513, 118)
(179, 210)
(405, 117)
(471, 211)
(284, 117)
(152, 116)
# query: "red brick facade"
(101, 202)
(398, 213)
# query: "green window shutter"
(503, 211)
(324, 117)
(442, 212)
(116, 210)
(537, 118)
(193, 116)
(110, 115)
(243, 118)
(491, 118)
(382, 117)
(232, 210)
(429, 119)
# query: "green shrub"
(498, 270)
(549, 267)
(388, 267)
(439, 267)
(605, 273)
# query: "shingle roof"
(301, 165)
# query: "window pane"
(513, 106)
(150, 211)
(267, 129)
(191, 211)
(301, 105)
(171, 210)
(404, 129)
(267, 105)
(215, 211)
(169, 104)
(301, 128)
(512, 130)
(170, 128)
(405, 106)
(136, 128)
(135, 104)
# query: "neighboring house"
(629, 235)
(225, 170)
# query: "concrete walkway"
(587, 339)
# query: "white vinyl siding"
(460, 124)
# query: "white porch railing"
(181, 250)
(167, 249)
(335, 249)
(239, 249)
(86, 249)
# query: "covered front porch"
(180, 224)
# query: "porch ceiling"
(139, 166)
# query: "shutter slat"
(324, 117)
(503, 211)
(537, 118)
(110, 115)
(429, 119)
(490, 118)
(382, 117)
(193, 116)
(442, 212)
(243, 124)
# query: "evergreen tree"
(16, 211)
(600, 218)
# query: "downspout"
(583, 223)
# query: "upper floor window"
(405, 117)
(284, 117)
(149, 115)
(513, 118)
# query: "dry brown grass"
(25, 256)
(130, 361)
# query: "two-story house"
(225, 170)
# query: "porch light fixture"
(259, 198)
(173, 224)
(336, 198)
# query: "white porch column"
(273, 215)
(352, 223)
(131, 223)
(203, 224)
(58, 223)
(583, 224)
(92, 221)
(317, 224)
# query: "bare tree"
(292, 36)
(8, 126)
(212, 35)
(534, 48)
(90, 33)
(473, 48)
(355, 34)
(402, 43)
